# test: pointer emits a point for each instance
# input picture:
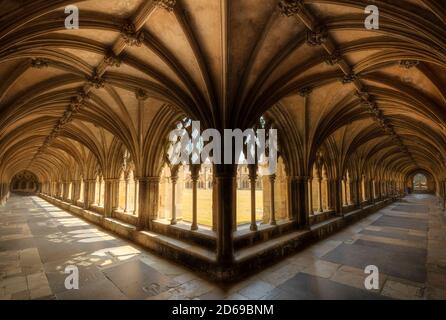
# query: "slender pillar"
(173, 180)
(127, 193)
(319, 194)
(99, 199)
(195, 174)
(310, 196)
(345, 200)
(136, 198)
(252, 180)
(272, 179)
(358, 195)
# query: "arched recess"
(25, 182)
(430, 185)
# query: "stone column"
(358, 195)
(76, 191)
(351, 200)
(345, 199)
(293, 198)
(98, 200)
(372, 195)
(298, 200)
(108, 197)
(252, 180)
(319, 194)
(173, 180)
(225, 179)
(310, 196)
(303, 199)
(148, 201)
(65, 191)
(115, 194)
(337, 196)
(272, 179)
(136, 198)
(195, 174)
(88, 186)
(127, 192)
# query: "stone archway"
(25, 182)
(420, 181)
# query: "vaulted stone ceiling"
(134, 66)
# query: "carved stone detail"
(112, 60)
(130, 36)
(349, 78)
(290, 8)
(165, 4)
(96, 81)
(305, 92)
(141, 95)
(333, 58)
(318, 36)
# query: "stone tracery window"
(266, 200)
(128, 193)
(186, 189)
(318, 186)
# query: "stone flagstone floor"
(406, 241)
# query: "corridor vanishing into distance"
(405, 241)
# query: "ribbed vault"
(370, 102)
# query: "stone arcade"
(360, 114)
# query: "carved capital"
(290, 8)
(75, 105)
(305, 92)
(318, 36)
(349, 78)
(130, 36)
(82, 95)
(333, 58)
(96, 81)
(112, 60)
(165, 4)
(141, 95)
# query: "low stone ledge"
(182, 232)
(123, 229)
(126, 217)
(246, 260)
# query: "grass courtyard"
(204, 198)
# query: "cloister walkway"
(406, 241)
